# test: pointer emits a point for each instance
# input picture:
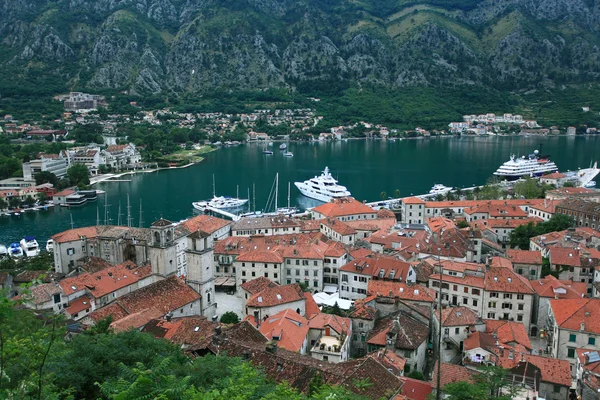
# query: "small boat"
(30, 246)
(590, 184)
(283, 146)
(268, 152)
(3, 251)
(50, 246)
(439, 189)
(270, 143)
(15, 250)
(288, 154)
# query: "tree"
(29, 201)
(79, 175)
(45, 177)
(462, 224)
(416, 375)
(304, 286)
(520, 236)
(568, 184)
(383, 195)
(3, 204)
(397, 193)
(14, 202)
(528, 189)
(230, 318)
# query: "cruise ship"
(532, 165)
(322, 188)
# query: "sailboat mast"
(141, 215)
(288, 195)
(276, 189)
(72, 225)
(253, 198)
(214, 188)
(237, 191)
(128, 212)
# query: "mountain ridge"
(190, 46)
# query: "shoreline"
(110, 177)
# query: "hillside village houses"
(496, 302)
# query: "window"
(492, 304)
(491, 315)
(275, 275)
(493, 294)
(556, 389)
(465, 301)
(475, 292)
(572, 337)
(218, 269)
(297, 272)
(455, 288)
(360, 325)
(456, 331)
(520, 307)
(305, 273)
(297, 262)
(475, 303)
(592, 341)
(316, 273)
(314, 263)
(243, 273)
(520, 317)
(344, 278)
(571, 352)
(253, 273)
(70, 251)
(316, 283)
(520, 296)
(288, 272)
(466, 290)
(266, 274)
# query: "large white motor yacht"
(322, 188)
(30, 246)
(220, 202)
(532, 165)
(439, 189)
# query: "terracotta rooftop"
(339, 324)
(452, 373)
(575, 314)
(551, 287)
(508, 332)
(338, 226)
(204, 223)
(479, 340)
(311, 307)
(409, 332)
(364, 310)
(79, 304)
(390, 360)
(500, 279)
(458, 316)
(415, 389)
(287, 328)
(165, 296)
(280, 221)
(276, 295)
(261, 256)
(343, 207)
(524, 256)
(552, 370)
(565, 256)
(412, 200)
(400, 290)
(124, 322)
(256, 285)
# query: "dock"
(587, 175)
(224, 213)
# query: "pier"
(224, 213)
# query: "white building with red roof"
(273, 299)
(573, 324)
(344, 209)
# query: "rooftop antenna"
(129, 217)
(72, 224)
(141, 215)
(119, 214)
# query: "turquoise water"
(366, 167)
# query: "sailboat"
(273, 198)
(220, 202)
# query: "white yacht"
(288, 154)
(283, 146)
(220, 202)
(322, 188)
(439, 189)
(15, 250)
(30, 246)
(532, 165)
(3, 251)
(50, 246)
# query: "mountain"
(190, 46)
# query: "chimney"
(215, 318)
(169, 316)
(217, 330)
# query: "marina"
(368, 168)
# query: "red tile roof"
(261, 256)
(275, 295)
(339, 324)
(132, 321)
(362, 310)
(451, 373)
(338, 226)
(500, 279)
(479, 340)
(412, 200)
(343, 207)
(565, 256)
(551, 287)
(415, 389)
(165, 296)
(390, 360)
(409, 336)
(188, 331)
(106, 281)
(459, 316)
(524, 257)
(508, 332)
(257, 285)
(552, 370)
(400, 290)
(572, 313)
(311, 307)
(79, 304)
(204, 223)
(75, 234)
(287, 328)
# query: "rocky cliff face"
(181, 46)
